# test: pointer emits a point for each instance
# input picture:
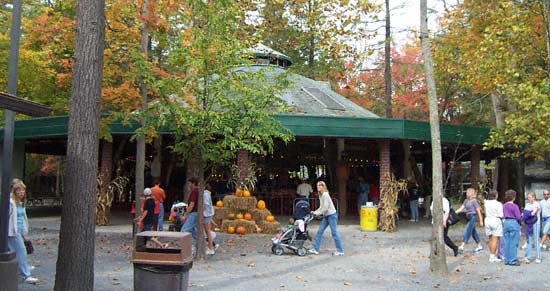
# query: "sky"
(405, 17)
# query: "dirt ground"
(372, 261)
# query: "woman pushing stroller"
(330, 218)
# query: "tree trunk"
(387, 63)
(140, 140)
(156, 165)
(496, 100)
(75, 260)
(438, 262)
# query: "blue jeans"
(511, 240)
(190, 225)
(470, 230)
(160, 226)
(15, 244)
(534, 237)
(332, 221)
(414, 209)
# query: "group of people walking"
(502, 225)
(152, 216)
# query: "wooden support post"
(341, 176)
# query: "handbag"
(453, 217)
(28, 246)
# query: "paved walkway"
(372, 261)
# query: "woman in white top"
(330, 218)
(207, 213)
(493, 224)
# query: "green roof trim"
(300, 125)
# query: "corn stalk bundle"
(388, 209)
(105, 197)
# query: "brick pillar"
(384, 148)
(341, 177)
(106, 166)
(474, 167)
(243, 162)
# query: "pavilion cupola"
(264, 55)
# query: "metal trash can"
(162, 268)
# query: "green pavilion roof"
(300, 125)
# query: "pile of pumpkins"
(247, 216)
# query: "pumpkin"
(231, 215)
(239, 216)
(261, 204)
(246, 193)
(238, 192)
(219, 203)
(248, 216)
(230, 230)
(270, 218)
(241, 230)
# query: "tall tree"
(75, 261)
(438, 263)
(221, 104)
(387, 63)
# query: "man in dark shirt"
(189, 218)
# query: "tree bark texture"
(438, 262)
(387, 63)
(75, 261)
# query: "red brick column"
(384, 146)
(474, 167)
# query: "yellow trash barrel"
(368, 218)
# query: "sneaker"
(461, 250)
(455, 251)
(497, 260)
(538, 261)
(412, 220)
(478, 249)
(216, 246)
(32, 268)
(338, 253)
(210, 252)
(31, 280)
(526, 260)
(312, 251)
(524, 246)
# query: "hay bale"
(249, 225)
(239, 204)
(270, 227)
(260, 214)
(220, 213)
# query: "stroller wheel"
(301, 251)
(278, 250)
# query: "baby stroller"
(177, 210)
(293, 237)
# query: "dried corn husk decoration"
(387, 207)
(105, 197)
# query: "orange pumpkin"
(270, 218)
(231, 215)
(239, 216)
(246, 193)
(261, 204)
(241, 230)
(238, 192)
(230, 230)
(219, 203)
(248, 216)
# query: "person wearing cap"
(147, 216)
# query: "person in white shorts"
(545, 206)
(493, 224)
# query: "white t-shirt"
(208, 208)
(304, 189)
(493, 208)
(446, 207)
(545, 206)
(532, 207)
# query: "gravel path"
(372, 261)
